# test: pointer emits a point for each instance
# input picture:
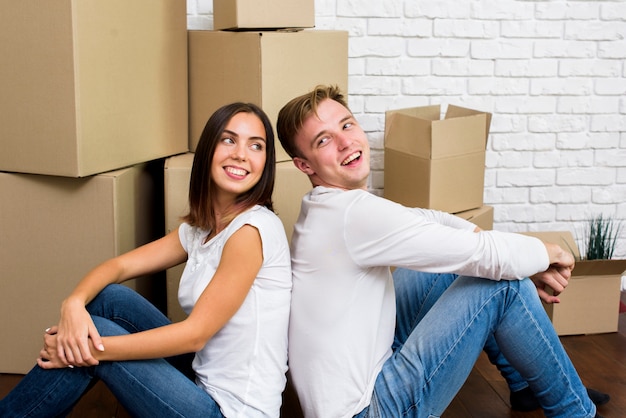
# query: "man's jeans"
(146, 388)
(429, 290)
(443, 323)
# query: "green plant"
(600, 238)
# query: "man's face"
(335, 151)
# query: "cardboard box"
(436, 163)
(590, 302)
(263, 14)
(265, 68)
(177, 172)
(89, 87)
(53, 230)
(291, 184)
(481, 217)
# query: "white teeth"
(351, 158)
(236, 171)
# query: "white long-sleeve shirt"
(343, 303)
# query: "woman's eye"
(257, 146)
(347, 125)
(228, 140)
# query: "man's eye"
(322, 141)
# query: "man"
(347, 355)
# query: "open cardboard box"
(590, 303)
(436, 163)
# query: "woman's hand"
(48, 358)
(75, 332)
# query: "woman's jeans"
(444, 322)
(146, 388)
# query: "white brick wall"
(552, 72)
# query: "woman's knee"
(106, 327)
(116, 291)
(116, 295)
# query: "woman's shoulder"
(264, 219)
(259, 214)
(268, 224)
(190, 237)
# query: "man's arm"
(554, 280)
(384, 233)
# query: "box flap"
(456, 111)
(458, 136)
(408, 134)
(425, 112)
(422, 112)
(599, 267)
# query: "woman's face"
(240, 156)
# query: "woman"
(236, 288)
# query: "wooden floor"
(600, 360)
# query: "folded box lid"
(457, 111)
(419, 131)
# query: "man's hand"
(557, 276)
(551, 283)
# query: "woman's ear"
(303, 165)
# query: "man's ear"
(302, 165)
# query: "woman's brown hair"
(201, 185)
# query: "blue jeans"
(444, 322)
(146, 388)
(429, 288)
(513, 379)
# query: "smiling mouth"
(236, 171)
(352, 157)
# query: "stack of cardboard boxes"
(103, 106)
(94, 94)
(268, 55)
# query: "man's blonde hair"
(292, 116)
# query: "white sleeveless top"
(243, 366)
